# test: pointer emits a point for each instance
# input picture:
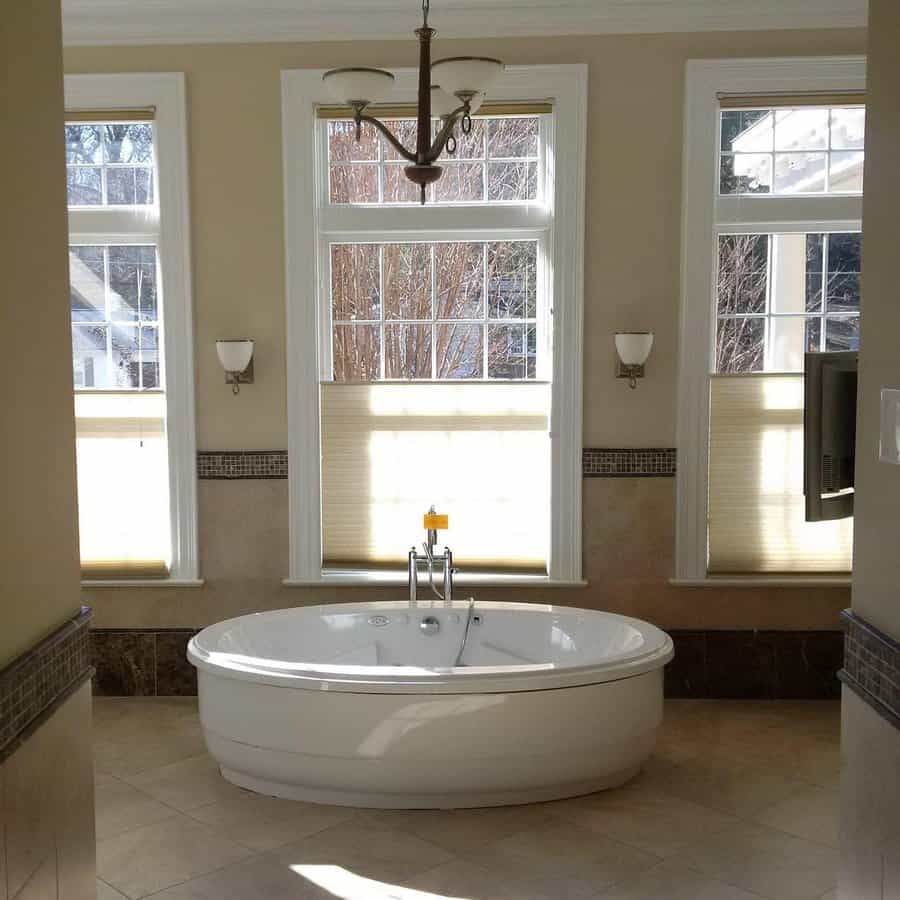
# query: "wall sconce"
(633, 348)
(236, 357)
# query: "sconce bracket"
(245, 377)
(629, 372)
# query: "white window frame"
(167, 225)
(704, 214)
(306, 216)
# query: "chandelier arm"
(441, 138)
(389, 135)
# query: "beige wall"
(631, 278)
(39, 583)
(870, 779)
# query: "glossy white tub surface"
(352, 704)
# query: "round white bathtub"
(359, 705)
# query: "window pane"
(407, 281)
(86, 284)
(342, 143)
(512, 181)
(800, 173)
(128, 143)
(513, 137)
(354, 184)
(787, 341)
(507, 351)
(801, 129)
(745, 173)
(468, 146)
(406, 131)
(356, 352)
(740, 127)
(397, 187)
(842, 333)
(355, 292)
(512, 278)
(85, 185)
(845, 252)
(132, 283)
(460, 351)
(149, 337)
(460, 280)
(814, 269)
(125, 367)
(89, 358)
(460, 183)
(843, 292)
(407, 351)
(83, 144)
(740, 345)
(848, 128)
(813, 335)
(847, 172)
(742, 274)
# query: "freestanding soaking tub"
(364, 704)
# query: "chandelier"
(457, 92)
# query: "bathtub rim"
(439, 680)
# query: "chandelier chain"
(425, 4)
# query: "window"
(129, 306)
(783, 139)
(440, 341)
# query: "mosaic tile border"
(872, 666)
(649, 462)
(233, 464)
(799, 665)
(35, 683)
(646, 462)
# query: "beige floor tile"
(260, 878)
(771, 863)
(125, 758)
(366, 849)
(265, 823)
(459, 830)
(562, 861)
(460, 878)
(105, 892)
(148, 859)
(812, 814)
(673, 881)
(717, 783)
(830, 895)
(642, 817)
(185, 785)
(119, 806)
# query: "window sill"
(377, 578)
(143, 582)
(757, 581)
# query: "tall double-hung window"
(773, 252)
(129, 307)
(435, 334)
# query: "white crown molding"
(101, 22)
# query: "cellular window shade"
(123, 484)
(479, 452)
(791, 100)
(139, 114)
(409, 110)
(756, 509)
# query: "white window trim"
(164, 91)
(302, 91)
(702, 209)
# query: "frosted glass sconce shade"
(466, 74)
(236, 357)
(359, 86)
(633, 348)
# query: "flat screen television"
(829, 434)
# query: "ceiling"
(190, 21)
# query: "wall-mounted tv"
(829, 434)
